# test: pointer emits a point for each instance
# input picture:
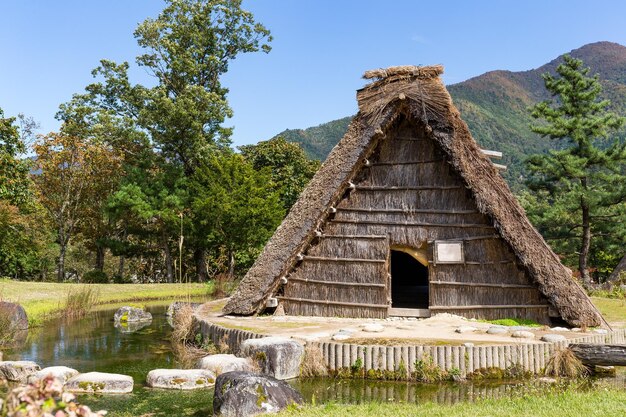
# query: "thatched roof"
(418, 93)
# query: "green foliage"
(514, 322)
(290, 168)
(578, 191)
(235, 207)
(95, 277)
(169, 129)
(14, 182)
(427, 371)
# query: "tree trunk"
(120, 271)
(100, 252)
(231, 265)
(61, 261)
(199, 256)
(169, 266)
(602, 355)
(583, 257)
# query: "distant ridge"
(495, 107)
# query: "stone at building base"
(279, 357)
(221, 363)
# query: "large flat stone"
(221, 363)
(279, 357)
(100, 383)
(183, 379)
(552, 338)
(243, 394)
(17, 371)
(62, 373)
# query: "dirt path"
(437, 330)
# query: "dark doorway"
(409, 281)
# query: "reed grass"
(79, 301)
(563, 363)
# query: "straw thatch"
(333, 245)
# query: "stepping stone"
(62, 373)
(519, 328)
(468, 344)
(497, 330)
(340, 337)
(577, 329)
(220, 363)
(373, 328)
(239, 394)
(279, 357)
(131, 314)
(552, 338)
(547, 380)
(17, 371)
(522, 334)
(560, 329)
(100, 383)
(601, 331)
(465, 329)
(182, 379)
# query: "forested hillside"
(495, 106)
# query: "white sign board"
(449, 252)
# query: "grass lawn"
(597, 402)
(43, 300)
(613, 310)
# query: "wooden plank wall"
(409, 195)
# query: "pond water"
(94, 344)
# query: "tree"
(188, 47)
(579, 188)
(75, 177)
(14, 181)
(235, 206)
(290, 168)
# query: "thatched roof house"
(408, 216)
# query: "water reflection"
(94, 344)
(320, 390)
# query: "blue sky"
(320, 49)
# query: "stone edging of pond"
(531, 357)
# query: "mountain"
(495, 107)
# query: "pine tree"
(580, 187)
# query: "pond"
(94, 344)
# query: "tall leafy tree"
(73, 180)
(14, 180)
(289, 166)
(187, 49)
(579, 188)
(237, 206)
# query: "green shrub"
(120, 279)
(95, 277)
